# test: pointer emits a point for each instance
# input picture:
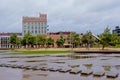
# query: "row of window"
(34, 24)
(31, 27)
(5, 38)
(36, 32)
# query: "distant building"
(4, 40)
(117, 30)
(56, 35)
(34, 25)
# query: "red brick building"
(56, 35)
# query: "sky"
(63, 15)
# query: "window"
(32, 27)
(24, 31)
(24, 27)
(35, 32)
(32, 31)
(39, 31)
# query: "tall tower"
(34, 25)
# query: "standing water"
(60, 67)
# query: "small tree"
(74, 39)
(50, 42)
(105, 38)
(114, 39)
(60, 42)
(28, 40)
(42, 40)
(14, 40)
(88, 39)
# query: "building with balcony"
(34, 25)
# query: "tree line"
(73, 39)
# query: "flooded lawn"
(58, 67)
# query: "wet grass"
(42, 52)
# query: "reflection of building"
(4, 39)
(34, 25)
(117, 30)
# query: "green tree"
(28, 40)
(74, 39)
(37, 40)
(50, 42)
(105, 38)
(114, 39)
(42, 40)
(14, 40)
(88, 39)
(60, 42)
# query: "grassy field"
(56, 50)
(41, 52)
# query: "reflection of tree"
(89, 66)
(107, 68)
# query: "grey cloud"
(63, 15)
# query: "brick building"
(56, 35)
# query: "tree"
(37, 40)
(14, 40)
(60, 42)
(105, 38)
(28, 40)
(50, 42)
(42, 40)
(114, 39)
(74, 39)
(88, 39)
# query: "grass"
(42, 52)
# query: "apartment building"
(34, 25)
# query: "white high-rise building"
(34, 25)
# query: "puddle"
(74, 66)
(44, 75)
(81, 57)
(107, 62)
(59, 62)
(26, 76)
(13, 61)
(36, 60)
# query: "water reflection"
(96, 63)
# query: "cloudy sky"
(63, 15)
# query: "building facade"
(56, 35)
(4, 40)
(117, 30)
(34, 25)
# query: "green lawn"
(42, 52)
